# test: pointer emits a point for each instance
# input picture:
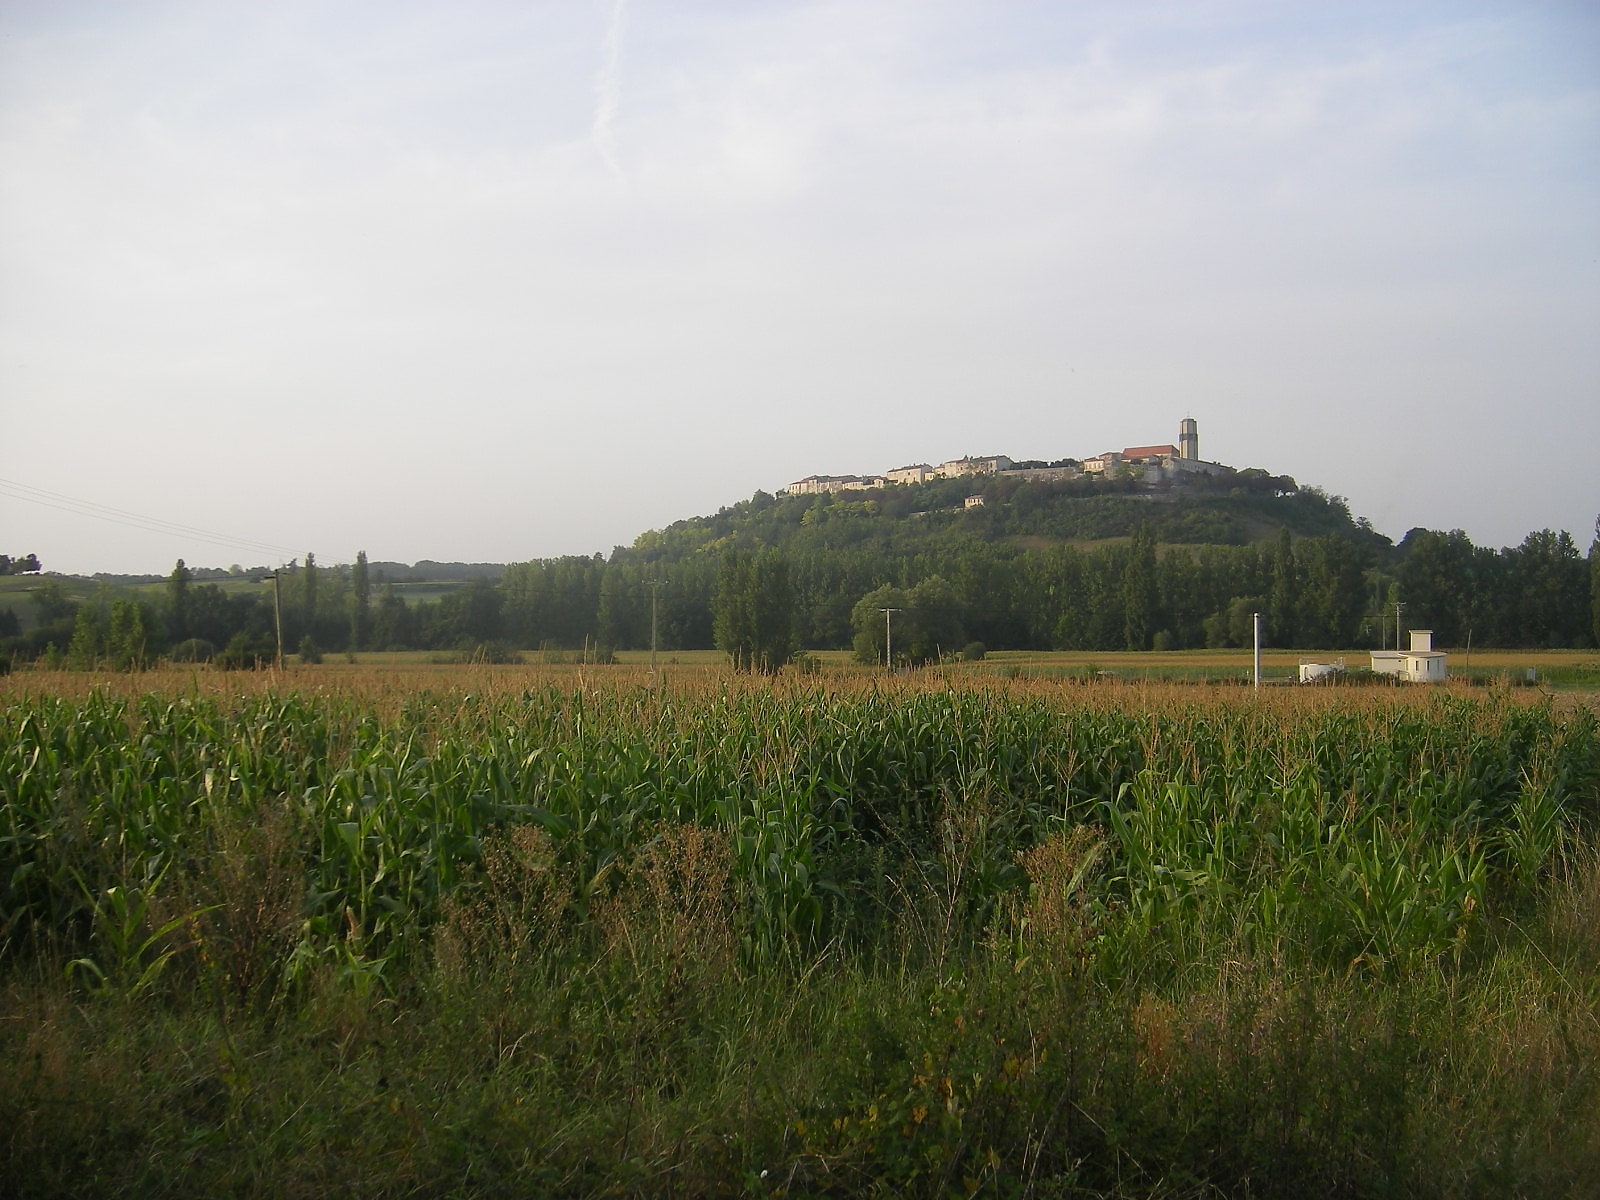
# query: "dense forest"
(1073, 565)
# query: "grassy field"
(402, 928)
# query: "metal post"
(1257, 622)
(888, 638)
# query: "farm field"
(396, 927)
(1564, 670)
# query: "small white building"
(954, 468)
(915, 473)
(974, 502)
(1420, 664)
(1313, 670)
(1103, 464)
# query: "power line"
(133, 520)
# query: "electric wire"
(132, 520)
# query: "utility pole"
(277, 617)
(1397, 607)
(654, 585)
(888, 637)
(1257, 622)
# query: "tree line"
(27, 564)
(761, 603)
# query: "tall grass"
(592, 936)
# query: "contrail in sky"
(606, 83)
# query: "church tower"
(1188, 440)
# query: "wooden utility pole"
(277, 618)
(655, 584)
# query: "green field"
(415, 929)
(1554, 669)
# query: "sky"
(496, 282)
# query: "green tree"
(1139, 590)
(1550, 586)
(1594, 582)
(51, 602)
(753, 611)
(622, 617)
(1436, 578)
(873, 620)
(394, 626)
(926, 624)
(125, 638)
(360, 603)
(1283, 604)
(308, 595)
(88, 640)
(938, 621)
(463, 619)
(1332, 592)
(178, 602)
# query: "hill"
(1233, 509)
(1029, 563)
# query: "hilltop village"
(1151, 463)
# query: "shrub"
(247, 653)
(497, 653)
(193, 650)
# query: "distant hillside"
(1229, 510)
(1071, 563)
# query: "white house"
(915, 473)
(1420, 664)
(1102, 464)
(954, 468)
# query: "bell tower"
(1188, 440)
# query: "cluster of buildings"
(1420, 664)
(1151, 463)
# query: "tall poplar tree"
(178, 602)
(753, 611)
(1594, 582)
(360, 603)
(309, 594)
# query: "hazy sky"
(496, 281)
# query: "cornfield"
(1045, 940)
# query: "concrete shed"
(1420, 664)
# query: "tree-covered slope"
(1231, 510)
